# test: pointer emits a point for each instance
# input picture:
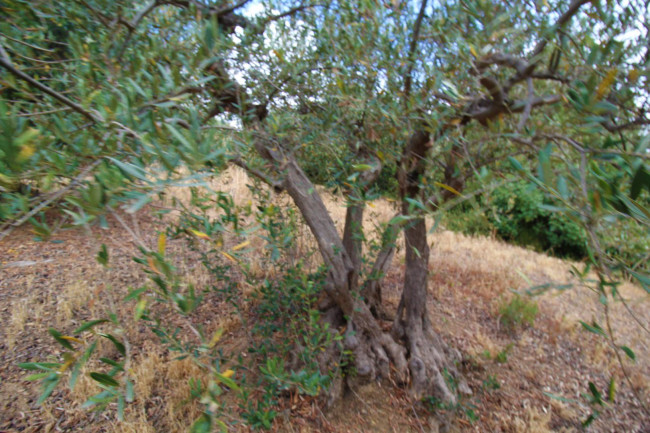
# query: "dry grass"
(19, 317)
(469, 277)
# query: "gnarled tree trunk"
(429, 358)
(412, 349)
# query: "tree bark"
(428, 356)
(375, 351)
(353, 238)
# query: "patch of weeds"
(502, 356)
(462, 407)
(491, 383)
(518, 311)
(290, 348)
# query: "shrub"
(518, 215)
(518, 311)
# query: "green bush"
(517, 214)
(628, 243)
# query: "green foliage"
(502, 356)
(518, 311)
(114, 381)
(462, 407)
(301, 339)
(288, 351)
(520, 213)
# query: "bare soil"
(512, 372)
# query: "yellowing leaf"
(634, 75)
(25, 142)
(447, 187)
(180, 97)
(162, 241)
(240, 246)
(229, 257)
(67, 337)
(25, 153)
(607, 82)
(199, 234)
(473, 51)
(228, 373)
(66, 364)
(278, 55)
(152, 265)
(215, 338)
(140, 309)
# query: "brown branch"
(493, 86)
(612, 127)
(549, 76)
(5, 62)
(485, 113)
(408, 76)
(501, 59)
(232, 8)
(574, 7)
(529, 105)
(134, 24)
(100, 16)
(273, 183)
(290, 12)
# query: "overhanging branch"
(5, 62)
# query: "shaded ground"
(58, 283)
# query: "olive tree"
(104, 102)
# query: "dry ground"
(58, 283)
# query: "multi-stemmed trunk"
(411, 352)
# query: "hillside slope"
(58, 284)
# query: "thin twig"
(134, 24)
(227, 10)
(9, 226)
(408, 76)
(40, 113)
(5, 62)
(26, 44)
(529, 104)
(135, 237)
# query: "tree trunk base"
(413, 356)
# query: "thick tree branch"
(493, 86)
(574, 7)
(488, 111)
(273, 183)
